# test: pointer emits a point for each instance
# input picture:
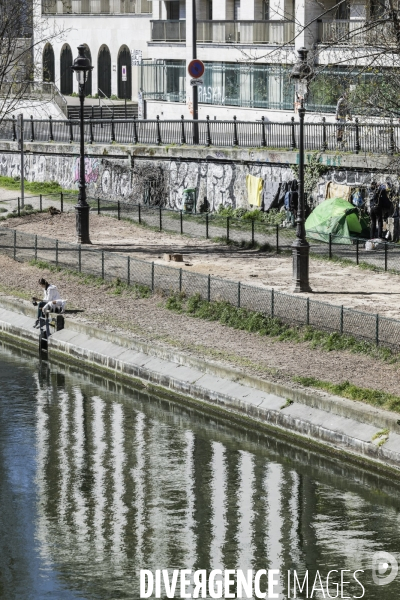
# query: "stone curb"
(337, 433)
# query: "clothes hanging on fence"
(271, 194)
(254, 187)
(337, 190)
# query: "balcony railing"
(356, 32)
(168, 31)
(226, 32)
(96, 7)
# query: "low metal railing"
(378, 138)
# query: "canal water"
(99, 481)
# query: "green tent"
(336, 216)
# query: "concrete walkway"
(333, 424)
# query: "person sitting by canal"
(342, 114)
(50, 295)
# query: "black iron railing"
(377, 138)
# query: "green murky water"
(98, 482)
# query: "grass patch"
(353, 392)
(255, 322)
(243, 244)
(36, 187)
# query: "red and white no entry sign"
(196, 68)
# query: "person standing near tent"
(379, 203)
(342, 114)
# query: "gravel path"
(148, 319)
(332, 283)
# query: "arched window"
(124, 67)
(104, 71)
(48, 63)
(66, 86)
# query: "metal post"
(79, 258)
(308, 311)
(15, 244)
(22, 157)
(135, 135)
(324, 142)
(195, 92)
(158, 131)
(377, 330)
(357, 144)
(152, 276)
(209, 288)
(62, 201)
(180, 280)
(181, 221)
(341, 319)
(98, 206)
(41, 203)
(208, 140)
(160, 218)
(71, 133)
(386, 257)
(252, 232)
(277, 238)
(357, 252)
(139, 214)
(112, 128)
(235, 132)
(183, 136)
(14, 129)
(91, 130)
(330, 246)
(238, 297)
(82, 207)
(272, 303)
(102, 264)
(227, 229)
(300, 247)
(293, 142)
(391, 139)
(51, 136)
(35, 247)
(207, 226)
(128, 275)
(32, 130)
(19, 206)
(56, 253)
(263, 136)
(119, 210)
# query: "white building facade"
(248, 47)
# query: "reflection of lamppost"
(301, 74)
(81, 68)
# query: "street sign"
(124, 73)
(196, 82)
(137, 56)
(196, 68)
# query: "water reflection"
(98, 481)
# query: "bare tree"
(23, 34)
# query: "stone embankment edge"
(323, 429)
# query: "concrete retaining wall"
(333, 424)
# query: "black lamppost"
(81, 68)
(301, 74)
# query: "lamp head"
(302, 72)
(81, 65)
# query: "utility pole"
(195, 88)
(22, 167)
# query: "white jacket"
(51, 294)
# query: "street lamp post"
(81, 68)
(301, 74)
(195, 91)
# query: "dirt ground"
(148, 319)
(332, 283)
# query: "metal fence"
(294, 310)
(241, 232)
(357, 137)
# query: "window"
(236, 14)
(209, 10)
(265, 12)
(173, 11)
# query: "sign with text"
(124, 73)
(137, 56)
